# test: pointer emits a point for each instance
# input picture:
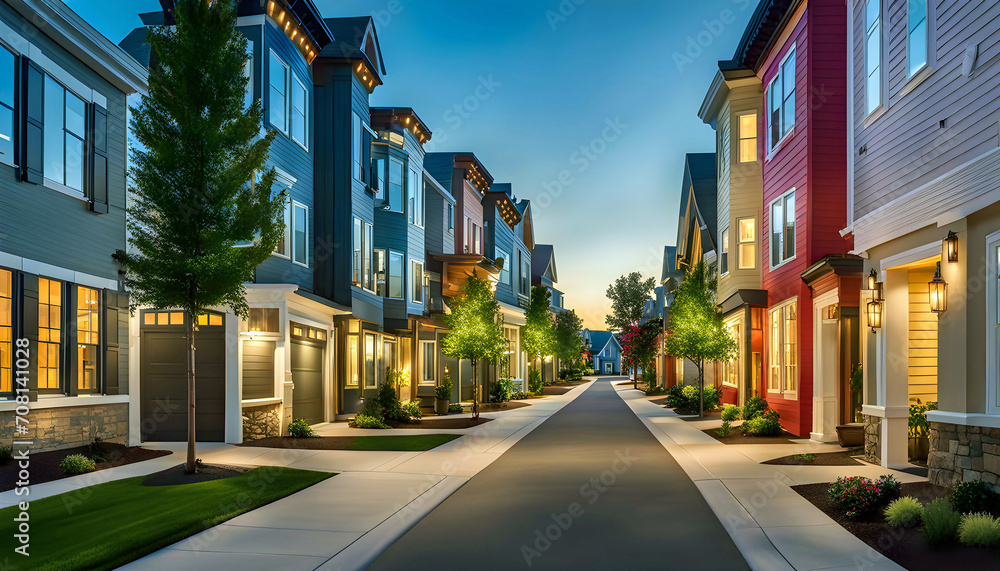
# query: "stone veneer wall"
(68, 427)
(261, 421)
(964, 453)
(873, 439)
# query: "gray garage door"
(307, 374)
(163, 381)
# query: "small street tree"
(194, 200)
(537, 334)
(568, 342)
(476, 326)
(696, 331)
(628, 296)
(640, 344)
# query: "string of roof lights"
(277, 11)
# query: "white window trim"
(729, 323)
(773, 149)
(770, 213)
(291, 110)
(993, 314)
(906, 54)
(288, 72)
(412, 277)
(739, 243)
(787, 395)
(724, 250)
(291, 233)
(388, 273)
(424, 381)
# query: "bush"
(299, 428)
(684, 398)
(455, 408)
(571, 374)
(392, 408)
(412, 408)
(371, 407)
(858, 495)
(940, 522)
(501, 390)
(518, 395)
(724, 430)
(365, 421)
(767, 424)
(730, 413)
(76, 464)
(535, 381)
(6, 454)
(443, 391)
(904, 512)
(95, 450)
(979, 530)
(971, 497)
(754, 407)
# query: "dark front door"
(307, 375)
(163, 380)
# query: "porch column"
(894, 369)
(234, 394)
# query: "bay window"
(88, 306)
(49, 333)
(8, 73)
(395, 185)
(362, 253)
(783, 229)
(916, 36)
(781, 101)
(747, 244)
(395, 275)
(278, 93)
(783, 353)
(873, 55)
(380, 179)
(63, 135)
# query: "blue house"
(605, 350)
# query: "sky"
(586, 106)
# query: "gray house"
(62, 202)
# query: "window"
(526, 277)
(356, 147)
(417, 282)
(724, 256)
(63, 135)
(370, 380)
(748, 138)
(731, 369)
(395, 185)
(451, 217)
(380, 179)
(300, 234)
(8, 72)
(505, 271)
(473, 237)
(300, 111)
(510, 334)
(264, 320)
(747, 244)
(6, 328)
(428, 354)
(415, 199)
(248, 76)
(783, 366)
(783, 229)
(363, 252)
(781, 100)
(873, 54)
(395, 275)
(281, 248)
(352, 362)
(357, 244)
(278, 104)
(916, 36)
(49, 333)
(88, 309)
(366, 260)
(380, 271)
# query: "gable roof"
(527, 224)
(600, 339)
(355, 39)
(669, 269)
(543, 257)
(699, 184)
(442, 165)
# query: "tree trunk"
(190, 464)
(701, 388)
(475, 390)
(635, 377)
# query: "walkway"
(589, 489)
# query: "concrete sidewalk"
(773, 526)
(347, 521)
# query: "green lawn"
(416, 443)
(108, 525)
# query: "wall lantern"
(938, 292)
(872, 279)
(875, 315)
(951, 245)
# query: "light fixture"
(951, 244)
(872, 279)
(879, 294)
(938, 292)
(874, 315)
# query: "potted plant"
(919, 429)
(443, 396)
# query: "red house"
(797, 49)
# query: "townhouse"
(62, 177)
(544, 273)
(670, 277)
(922, 210)
(605, 351)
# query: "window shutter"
(115, 317)
(29, 326)
(98, 145)
(366, 157)
(32, 148)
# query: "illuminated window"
(380, 272)
(64, 135)
(417, 282)
(370, 380)
(428, 355)
(6, 331)
(206, 319)
(783, 350)
(278, 94)
(747, 244)
(8, 71)
(731, 369)
(748, 138)
(264, 320)
(724, 256)
(88, 308)
(352, 362)
(49, 332)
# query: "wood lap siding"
(923, 339)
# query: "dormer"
(357, 42)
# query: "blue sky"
(586, 106)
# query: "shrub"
(299, 428)
(455, 408)
(979, 530)
(365, 421)
(371, 407)
(889, 487)
(810, 457)
(724, 430)
(412, 408)
(535, 384)
(754, 407)
(971, 497)
(501, 390)
(940, 522)
(684, 398)
(76, 464)
(6, 454)
(904, 512)
(392, 409)
(95, 450)
(443, 391)
(518, 395)
(730, 413)
(858, 495)
(764, 425)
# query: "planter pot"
(441, 406)
(919, 448)
(851, 435)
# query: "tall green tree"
(476, 326)
(628, 295)
(537, 334)
(696, 331)
(198, 224)
(568, 342)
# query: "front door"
(608, 368)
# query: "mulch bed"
(906, 547)
(44, 466)
(842, 458)
(555, 391)
(568, 383)
(709, 415)
(206, 473)
(444, 422)
(509, 405)
(736, 437)
(630, 383)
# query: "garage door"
(307, 375)
(163, 379)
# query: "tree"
(696, 331)
(628, 295)
(194, 201)
(537, 334)
(640, 344)
(568, 342)
(476, 326)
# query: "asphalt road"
(590, 488)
